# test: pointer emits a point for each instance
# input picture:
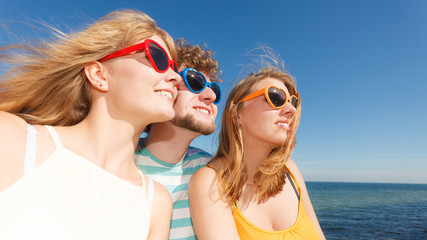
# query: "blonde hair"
(46, 83)
(270, 177)
(196, 57)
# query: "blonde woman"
(252, 189)
(72, 111)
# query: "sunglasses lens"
(175, 67)
(294, 101)
(277, 96)
(195, 81)
(159, 56)
(215, 88)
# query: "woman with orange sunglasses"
(71, 114)
(252, 189)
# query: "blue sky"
(360, 66)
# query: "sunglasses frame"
(265, 92)
(145, 45)
(183, 74)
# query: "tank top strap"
(55, 138)
(293, 178)
(142, 178)
(209, 166)
(292, 182)
(150, 196)
(30, 149)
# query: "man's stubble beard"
(190, 123)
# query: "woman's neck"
(108, 143)
(254, 155)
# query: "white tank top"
(69, 197)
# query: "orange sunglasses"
(275, 96)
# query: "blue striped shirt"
(175, 178)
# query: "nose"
(288, 110)
(173, 77)
(207, 95)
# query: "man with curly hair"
(165, 154)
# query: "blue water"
(370, 210)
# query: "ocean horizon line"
(414, 183)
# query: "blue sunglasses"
(197, 82)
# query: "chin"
(170, 116)
(279, 142)
(165, 116)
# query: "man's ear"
(95, 73)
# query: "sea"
(370, 210)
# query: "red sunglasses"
(156, 54)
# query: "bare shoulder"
(211, 214)
(305, 197)
(12, 148)
(204, 184)
(162, 202)
(13, 137)
(208, 172)
(292, 166)
(13, 134)
(205, 175)
(161, 212)
(200, 180)
(161, 194)
(296, 172)
(11, 122)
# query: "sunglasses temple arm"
(253, 95)
(123, 51)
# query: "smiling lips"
(203, 110)
(165, 93)
(283, 125)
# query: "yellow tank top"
(303, 228)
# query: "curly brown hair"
(194, 56)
